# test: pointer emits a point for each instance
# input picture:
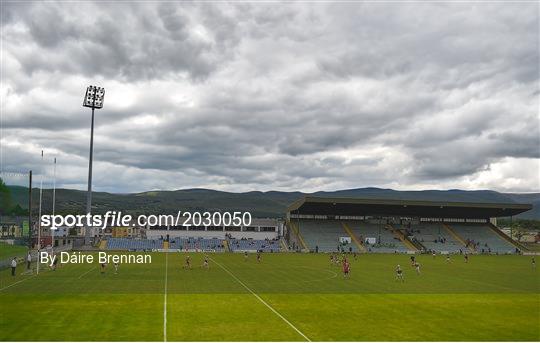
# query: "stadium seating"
(483, 238)
(254, 245)
(192, 243)
(433, 236)
(388, 242)
(325, 234)
(133, 244)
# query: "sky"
(273, 96)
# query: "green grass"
(492, 298)
(8, 251)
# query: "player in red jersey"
(346, 268)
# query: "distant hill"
(260, 204)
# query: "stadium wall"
(156, 234)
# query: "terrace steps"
(297, 233)
(506, 238)
(355, 239)
(103, 244)
(457, 237)
(284, 246)
(404, 239)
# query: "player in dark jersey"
(245, 255)
(187, 262)
(103, 265)
(466, 256)
(258, 256)
(55, 262)
(533, 263)
(205, 263)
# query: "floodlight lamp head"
(94, 97)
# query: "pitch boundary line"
(261, 300)
(30, 277)
(86, 272)
(13, 284)
(165, 298)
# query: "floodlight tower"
(94, 99)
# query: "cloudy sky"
(245, 96)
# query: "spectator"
(28, 260)
(13, 266)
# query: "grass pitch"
(293, 297)
(8, 251)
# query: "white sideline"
(13, 284)
(165, 298)
(86, 272)
(261, 300)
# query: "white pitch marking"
(261, 300)
(86, 272)
(13, 284)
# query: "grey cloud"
(296, 96)
(433, 42)
(131, 42)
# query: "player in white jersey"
(399, 274)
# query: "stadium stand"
(411, 244)
(387, 242)
(356, 240)
(428, 236)
(197, 243)
(325, 234)
(254, 245)
(133, 244)
(295, 237)
(400, 225)
(434, 237)
(371, 225)
(482, 238)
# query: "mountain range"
(260, 204)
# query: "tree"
(5, 198)
(7, 207)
